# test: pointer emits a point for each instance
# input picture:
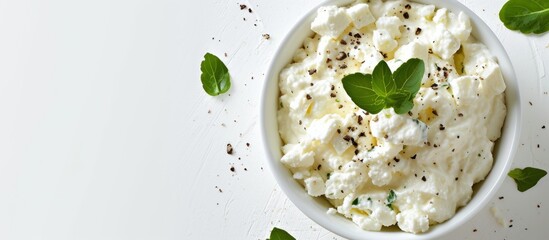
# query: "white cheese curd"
(331, 21)
(430, 157)
(360, 15)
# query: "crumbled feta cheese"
(413, 221)
(383, 41)
(412, 50)
(370, 57)
(323, 129)
(331, 211)
(461, 28)
(491, 80)
(497, 215)
(296, 156)
(388, 29)
(346, 181)
(479, 62)
(331, 21)
(315, 185)
(399, 129)
(390, 24)
(444, 43)
(496, 117)
(441, 16)
(431, 156)
(301, 174)
(465, 89)
(340, 145)
(425, 11)
(360, 15)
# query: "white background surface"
(106, 133)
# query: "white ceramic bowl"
(315, 208)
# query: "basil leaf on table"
(279, 234)
(383, 89)
(215, 75)
(527, 16)
(526, 178)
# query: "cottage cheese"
(430, 157)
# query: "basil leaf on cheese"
(408, 76)
(382, 82)
(359, 87)
(383, 89)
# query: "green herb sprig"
(391, 198)
(527, 16)
(526, 178)
(215, 75)
(279, 234)
(383, 89)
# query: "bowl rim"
(513, 113)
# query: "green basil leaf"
(527, 16)
(215, 75)
(359, 87)
(279, 234)
(408, 76)
(404, 107)
(397, 98)
(383, 83)
(383, 89)
(526, 178)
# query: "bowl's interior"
(315, 208)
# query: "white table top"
(106, 133)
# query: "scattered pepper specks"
(341, 56)
(229, 149)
